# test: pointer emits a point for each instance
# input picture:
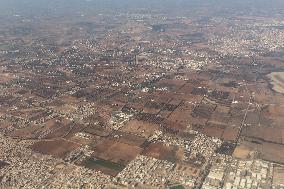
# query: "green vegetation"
(92, 163)
(177, 187)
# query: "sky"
(37, 6)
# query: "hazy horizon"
(25, 6)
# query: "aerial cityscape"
(146, 94)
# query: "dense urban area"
(157, 96)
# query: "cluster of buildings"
(247, 39)
(249, 174)
(146, 171)
(118, 119)
(32, 170)
(204, 146)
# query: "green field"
(92, 163)
(177, 187)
